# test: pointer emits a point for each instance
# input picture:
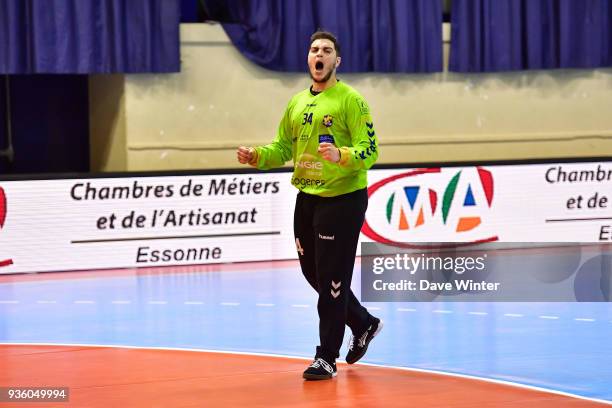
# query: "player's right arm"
(274, 154)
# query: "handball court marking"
(189, 376)
(228, 292)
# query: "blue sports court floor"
(268, 308)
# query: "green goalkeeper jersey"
(338, 115)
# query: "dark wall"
(3, 135)
(50, 123)
(192, 11)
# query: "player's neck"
(321, 86)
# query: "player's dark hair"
(326, 35)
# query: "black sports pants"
(326, 233)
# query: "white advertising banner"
(564, 202)
(101, 223)
(104, 223)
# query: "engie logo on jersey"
(3, 209)
(431, 205)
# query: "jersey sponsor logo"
(326, 139)
(327, 237)
(305, 182)
(363, 107)
(3, 211)
(304, 137)
(308, 167)
(311, 165)
(308, 161)
(432, 205)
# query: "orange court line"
(132, 377)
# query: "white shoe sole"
(315, 377)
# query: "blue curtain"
(89, 36)
(505, 35)
(375, 35)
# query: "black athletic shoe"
(320, 370)
(359, 345)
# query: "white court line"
(403, 309)
(8, 302)
(584, 319)
(372, 308)
(513, 315)
(308, 359)
(46, 302)
(84, 302)
(193, 302)
(549, 317)
(442, 311)
(478, 313)
(303, 306)
(230, 304)
(264, 304)
(121, 302)
(158, 302)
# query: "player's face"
(322, 60)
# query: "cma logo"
(429, 205)
(3, 208)
(309, 165)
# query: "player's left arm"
(364, 150)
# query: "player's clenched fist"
(329, 152)
(245, 154)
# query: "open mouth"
(319, 66)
